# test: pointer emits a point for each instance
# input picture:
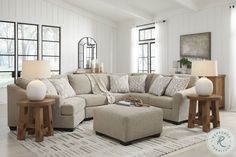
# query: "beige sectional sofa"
(69, 112)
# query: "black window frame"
(149, 57)
(42, 41)
(37, 55)
(13, 72)
(144, 29)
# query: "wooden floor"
(9, 147)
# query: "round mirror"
(87, 48)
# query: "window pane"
(145, 64)
(27, 47)
(51, 48)
(6, 30)
(27, 31)
(7, 63)
(50, 33)
(140, 64)
(148, 34)
(6, 46)
(21, 58)
(54, 62)
(145, 50)
(141, 34)
(5, 79)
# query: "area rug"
(83, 142)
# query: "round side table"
(35, 117)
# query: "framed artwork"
(196, 45)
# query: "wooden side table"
(35, 116)
(203, 117)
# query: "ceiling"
(118, 10)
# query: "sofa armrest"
(58, 103)
(14, 94)
(181, 104)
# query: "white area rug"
(83, 142)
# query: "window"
(7, 53)
(147, 52)
(27, 43)
(51, 47)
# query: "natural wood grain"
(203, 117)
(39, 118)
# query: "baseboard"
(176, 123)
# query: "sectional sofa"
(69, 112)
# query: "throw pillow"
(137, 83)
(159, 85)
(176, 84)
(119, 84)
(63, 87)
(51, 90)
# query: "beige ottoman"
(127, 124)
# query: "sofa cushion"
(148, 79)
(105, 79)
(21, 82)
(176, 84)
(119, 84)
(80, 83)
(63, 87)
(137, 83)
(72, 105)
(159, 85)
(160, 101)
(120, 96)
(143, 96)
(51, 90)
(94, 100)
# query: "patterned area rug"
(84, 142)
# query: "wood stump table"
(203, 117)
(35, 117)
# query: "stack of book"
(125, 103)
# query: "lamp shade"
(204, 68)
(35, 69)
(204, 86)
(36, 89)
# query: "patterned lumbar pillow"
(51, 90)
(137, 83)
(119, 84)
(159, 85)
(63, 87)
(176, 84)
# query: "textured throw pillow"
(51, 90)
(137, 83)
(159, 85)
(63, 87)
(119, 84)
(176, 84)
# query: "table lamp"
(204, 86)
(36, 89)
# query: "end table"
(203, 117)
(35, 116)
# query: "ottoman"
(127, 124)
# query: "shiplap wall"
(75, 23)
(215, 20)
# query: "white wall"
(214, 19)
(75, 23)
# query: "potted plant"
(185, 62)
